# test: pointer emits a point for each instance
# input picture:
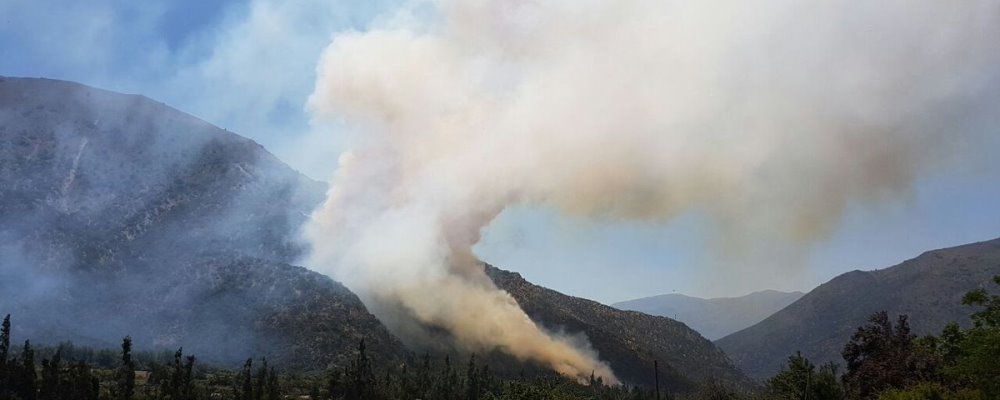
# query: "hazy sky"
(249, 66)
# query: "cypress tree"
(361, 378)
(126, 372)
(181, 384)
(187, 380)
(245, 391)
(273, 388)
(260, 391)
(173, 389)
(4, 350)
(28, 385)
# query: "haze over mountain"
(928, 288)
(715, 317)
(120, 215)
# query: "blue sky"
(248, 66)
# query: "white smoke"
(770, 116)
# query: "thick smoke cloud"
(771, 117)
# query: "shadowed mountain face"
(714, 318)
(119, 215)
(928, 288)
(628, 340)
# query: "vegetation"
(884, 361)
(800, 379)
(153, 377)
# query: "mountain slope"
(119, 215)
(928, 288)
(716, 317)
(628, 340)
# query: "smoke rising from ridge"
(771, 117)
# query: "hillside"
(716, 317)
(929, 288)
(628, 340)
(120, 215)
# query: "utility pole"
(656, 370)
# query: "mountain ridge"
(929, 288)
(713, 317)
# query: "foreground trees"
(57, 378)
(17, 378)
(886, 361)
(800, 379)
(883, 355)
(973, 356)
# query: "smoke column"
(770, 116)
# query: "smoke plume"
(771, 117)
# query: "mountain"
(717, 317)
(120, 215)
(928, 288)
(630, 341)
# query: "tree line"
(80, 378)
(883, 360)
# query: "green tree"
(989, 315)
(930, 391)
(27, 385)
(881, 356)
(360, 377)
(4, 350)
(79, 384)
(180, 386)
(125, 375)
(187, 380)
(800, 380)
(714, 391)
(171, 388)
(260, 387)
(51, 386)
(977, 350)
(424, 381)
(473, 383)
(447, 382)
(273, 387)
(244, 389)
